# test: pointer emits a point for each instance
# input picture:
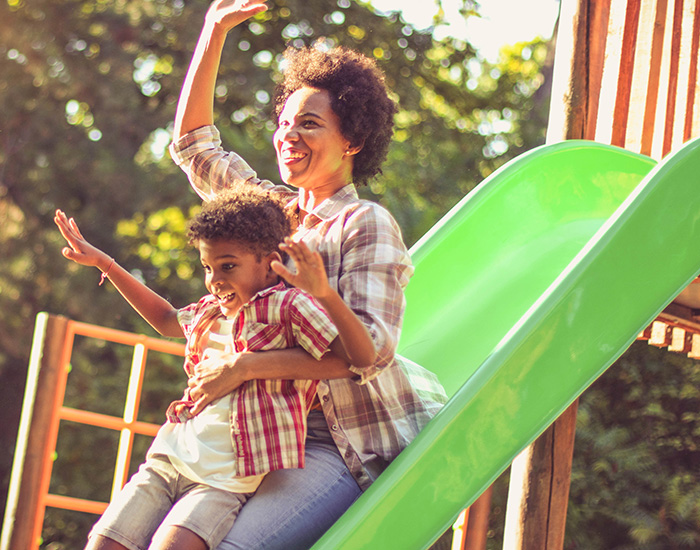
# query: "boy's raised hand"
(310, 274)
(226, 14)
(80, 251)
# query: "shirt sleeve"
(186, 317)
(376, 269)
(313, 329)
(210, 169)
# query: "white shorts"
(157, 496)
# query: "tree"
(88, 90)
(635, 481)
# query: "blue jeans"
(293, 508)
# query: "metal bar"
(131, 409)
(105, 421)
(75, 504)
(128, 338)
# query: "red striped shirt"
(268, 417)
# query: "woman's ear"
(353, 150)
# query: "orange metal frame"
(128, 424)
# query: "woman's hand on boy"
(310, 274)
(79, 250)
(216, 375)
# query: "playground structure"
(552, 245)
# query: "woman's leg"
(292, 509)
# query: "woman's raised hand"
(310, 274)
(226, 14)
(79, 250)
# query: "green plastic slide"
(523, 295)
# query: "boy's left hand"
(310, 274)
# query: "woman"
(335, 122)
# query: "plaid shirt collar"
(328, 209)
(264, 292)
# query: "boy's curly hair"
(255, 218)
(359, 97)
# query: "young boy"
(201, 468)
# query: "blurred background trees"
(87, 96)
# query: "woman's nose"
(288, 133)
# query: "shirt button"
(326, 398)
(334, 427)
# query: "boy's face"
(233, 274)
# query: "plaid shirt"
(268, 417)
(372, 418)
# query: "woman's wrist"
(245, 366)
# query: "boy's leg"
(175, 537)
(134, 515)
(99, 542)
(292, 509)
(199, 519)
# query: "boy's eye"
(228, 267)
(309, 124)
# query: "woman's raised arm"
(195, 107)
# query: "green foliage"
(635, 482)
(88, 90)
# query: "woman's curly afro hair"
(359, 97)
(253, 217)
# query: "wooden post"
(539, 489)
(540, 476)
(45, 379)
(479, 512)
(472, 525)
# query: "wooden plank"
(654, 76)
(673, 77)
(624, 83)
(34, 441)
(597, 41)
(694, 352)
(693, 95)
(614, 32)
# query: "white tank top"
(201, 449)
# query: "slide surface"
(523, 295)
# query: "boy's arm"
(195, 107)
(354, 343)
(153, 308)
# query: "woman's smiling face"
(312, 153)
